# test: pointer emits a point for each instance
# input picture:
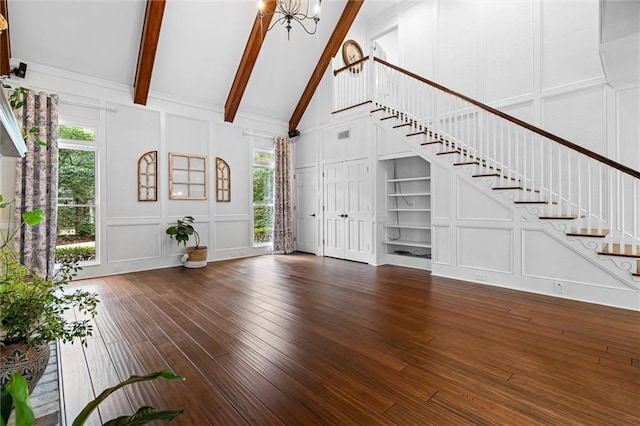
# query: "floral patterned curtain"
(283, 209)
(37, 183)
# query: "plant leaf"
(143, 416)
(41, 143)
(19, 391)
(5, 204)
(33, 218)
(6, 404)
(91, 406)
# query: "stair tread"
(397, 126)
(620, 250)
(388, 117)
(585, 233)
(535, 202)
(416, 133)
(447, 152)
(558, 217)
(486, 175)
(500, 188)
(466, 163)
(376, 110)
(430, 142)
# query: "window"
(76, 233)
(263, 162)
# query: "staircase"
(582, 195)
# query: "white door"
(347, 210)
(333, 181)
(357, 210)
(306, 217)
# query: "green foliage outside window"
(76, 133)
(76, 195)
(262, 202)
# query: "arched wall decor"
(223, 181)
(148, 176)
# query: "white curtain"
(37, 183)
(283, 208)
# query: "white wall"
(131, 234)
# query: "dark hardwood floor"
(301, 340)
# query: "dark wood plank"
(349, 14)
(248, 60)
(300, 339)
(148, 47)
(5, 42)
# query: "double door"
(347, 210)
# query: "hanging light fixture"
(288, 11)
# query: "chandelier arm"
(305, 28)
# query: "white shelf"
(411, 179)
(409, 210)
(407, 226)
(415, 194)
(407, 243)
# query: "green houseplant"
(194, 256)
(15, 394)
(33, 309)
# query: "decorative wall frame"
(187, 176)
(148, 176)
(223, 181)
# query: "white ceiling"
(201, 43)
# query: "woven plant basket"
(196, 254)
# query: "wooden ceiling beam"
(5, 43)
(349, 14)
(249, 57)
(148, 47)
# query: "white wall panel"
(578, 116)
(489, 249)
(188, 136)
(133, 242)
(305, 149)
(476, 205)
(441, 253)
(570, 37)
(458, 51)
(628, 127)
(416, 30)
(544, 257)
(233, 147)
(522, 111)
(441, 192)
(232, 234)
(130, 133)
(508, 49)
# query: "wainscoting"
(301, 339)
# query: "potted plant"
(33, 312)
(194, 256)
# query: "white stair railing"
(558, 179)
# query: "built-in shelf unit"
(407, 228)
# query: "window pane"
(262, 185)
(262, 224)
(76, 177)
(76, 133)
(263, 157)
(76, 233)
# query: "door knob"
(312, 215)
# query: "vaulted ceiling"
(199, 49)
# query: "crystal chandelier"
(288, 11)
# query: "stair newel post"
(579, 185)
(623, 235)
(569, 179)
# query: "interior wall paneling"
(508, 47)
(485, 248)
(131, 132)
(570, 40)
(132, 242)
